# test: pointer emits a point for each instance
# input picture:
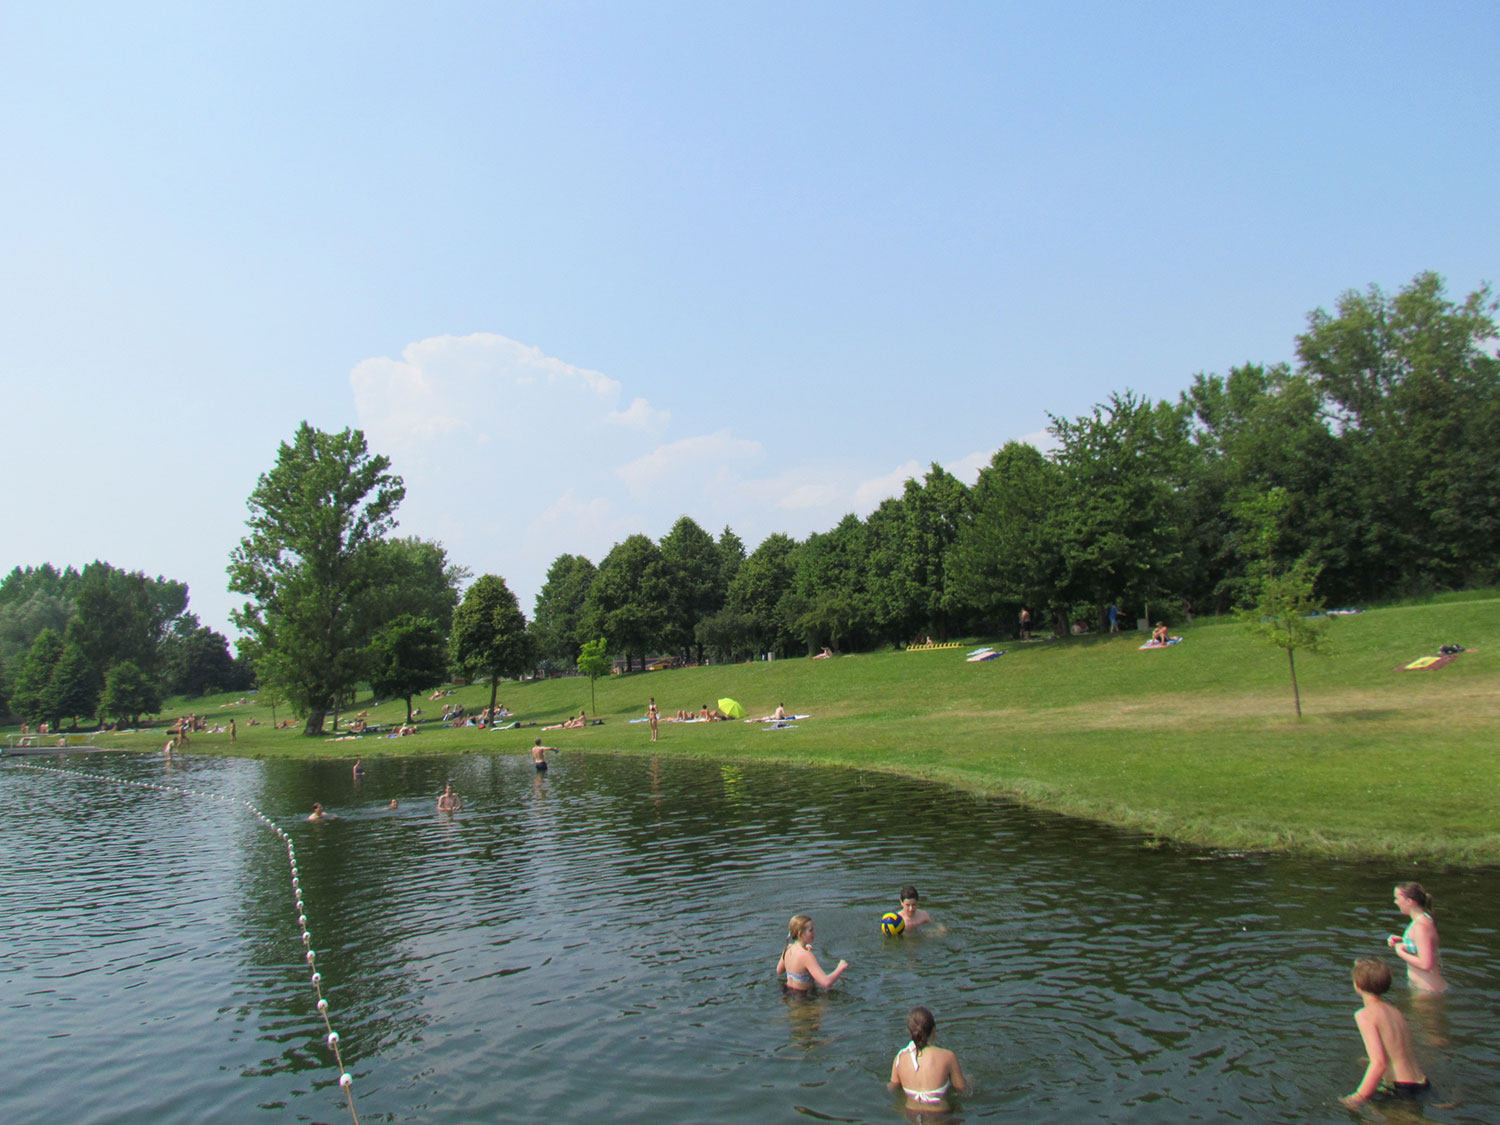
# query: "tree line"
(104, 641)
(1367, 470)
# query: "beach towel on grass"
(1422, 663)
(981, 657)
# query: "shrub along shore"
(1196, 743)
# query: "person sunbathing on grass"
(1159, 634)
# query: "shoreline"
(1157, 827)
(1196, 744)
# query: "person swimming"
(911, 914)
(798, 961)
(319, 814)
(1418, 945)
(922, 1072)
(449, 801)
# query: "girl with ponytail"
(798, 962)
(922, 1072)
(1418, 946)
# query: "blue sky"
(579, 269)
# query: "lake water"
(597, 945)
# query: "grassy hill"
(1197, 742)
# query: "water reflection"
(599, 940)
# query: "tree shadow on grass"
(1365, 714)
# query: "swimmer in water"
(393, 804)
(449, 801)
(1418, 946)
(359, 769)
(922, 1072)
(319, 814)
(911, 914)
(798, 961)
(1387, 1040)
(539, 755)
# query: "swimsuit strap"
(916, 1055)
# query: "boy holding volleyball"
(910, 913)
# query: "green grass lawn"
(1197, 742)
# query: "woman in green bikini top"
(1418, 946)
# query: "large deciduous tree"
(310, 560)
(33, 599)
(489, 634)
(695, 582)
(627, 603)
(412, 577)
(407, 655)
(557, 624)
(124, 615)
(128, 694)
(75, 683)
(1120, 525)
(1413, 386)
(1007, 553)
(758, 587)
(33, 695)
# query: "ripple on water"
(598, 943)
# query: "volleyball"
(892, 924)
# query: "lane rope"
(346, 1080)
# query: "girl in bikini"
(798, 962)
(922, 1072)
(1418, 946)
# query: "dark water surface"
(598, 944)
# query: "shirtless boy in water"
(911, 914)
(1387, 1039)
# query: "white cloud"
(1042, 440)
(641, 415)
(810, 496)
(472, 388)
(512, 457)
(706, 458)
(967, 468)
(869, 494)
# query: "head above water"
(908, 894)
(1372, 976)
(1416, 893)
(799, 925)
(921, 1025)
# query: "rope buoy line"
(346, 1080)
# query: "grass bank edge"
(1195, 744)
